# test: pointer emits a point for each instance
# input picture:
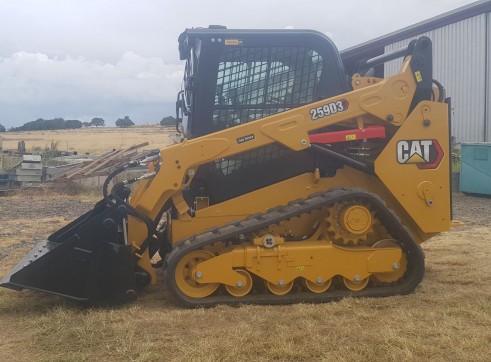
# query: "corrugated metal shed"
(462, 61)
(459, 63)
(488, 80)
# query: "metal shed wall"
(488, 79)
(460, 62)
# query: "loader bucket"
(86, 260)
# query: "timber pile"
(101, 166)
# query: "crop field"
(92, 140)
(448, 318)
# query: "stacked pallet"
(101, 166)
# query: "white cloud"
(34, 79)
(75, 58)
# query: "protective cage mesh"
(253, 83)
(248, 159)
(254, 169)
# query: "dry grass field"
(93, 140)
(448, 318)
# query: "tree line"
(48, 124)
(41, 124)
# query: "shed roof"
(464, 12)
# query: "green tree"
(2, 128)
(98, 122)
(56, 123)
(73, 123)
(124, 122)
(168, 121)
(86, 124)
(49, 124)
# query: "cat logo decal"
(426, 154)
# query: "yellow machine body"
(310, 237)
(420, 197)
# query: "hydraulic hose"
(130, 210)
(114, 173)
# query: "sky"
(80, 59)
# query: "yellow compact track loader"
(295, 181)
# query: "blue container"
(475, 168)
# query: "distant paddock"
(93, 140)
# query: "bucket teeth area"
(36, 253)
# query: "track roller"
(280, 288)
(242, 289)
(319, 287)
(355, 286)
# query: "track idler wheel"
(187, 279)
(242, 289)
(399, 269)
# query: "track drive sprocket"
(349, 223)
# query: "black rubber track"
(414, 255)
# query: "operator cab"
(237, 76)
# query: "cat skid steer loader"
(294, 181)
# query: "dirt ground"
(447, 318)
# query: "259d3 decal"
(426, 154)
(329, 109)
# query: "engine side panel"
(415, 168)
